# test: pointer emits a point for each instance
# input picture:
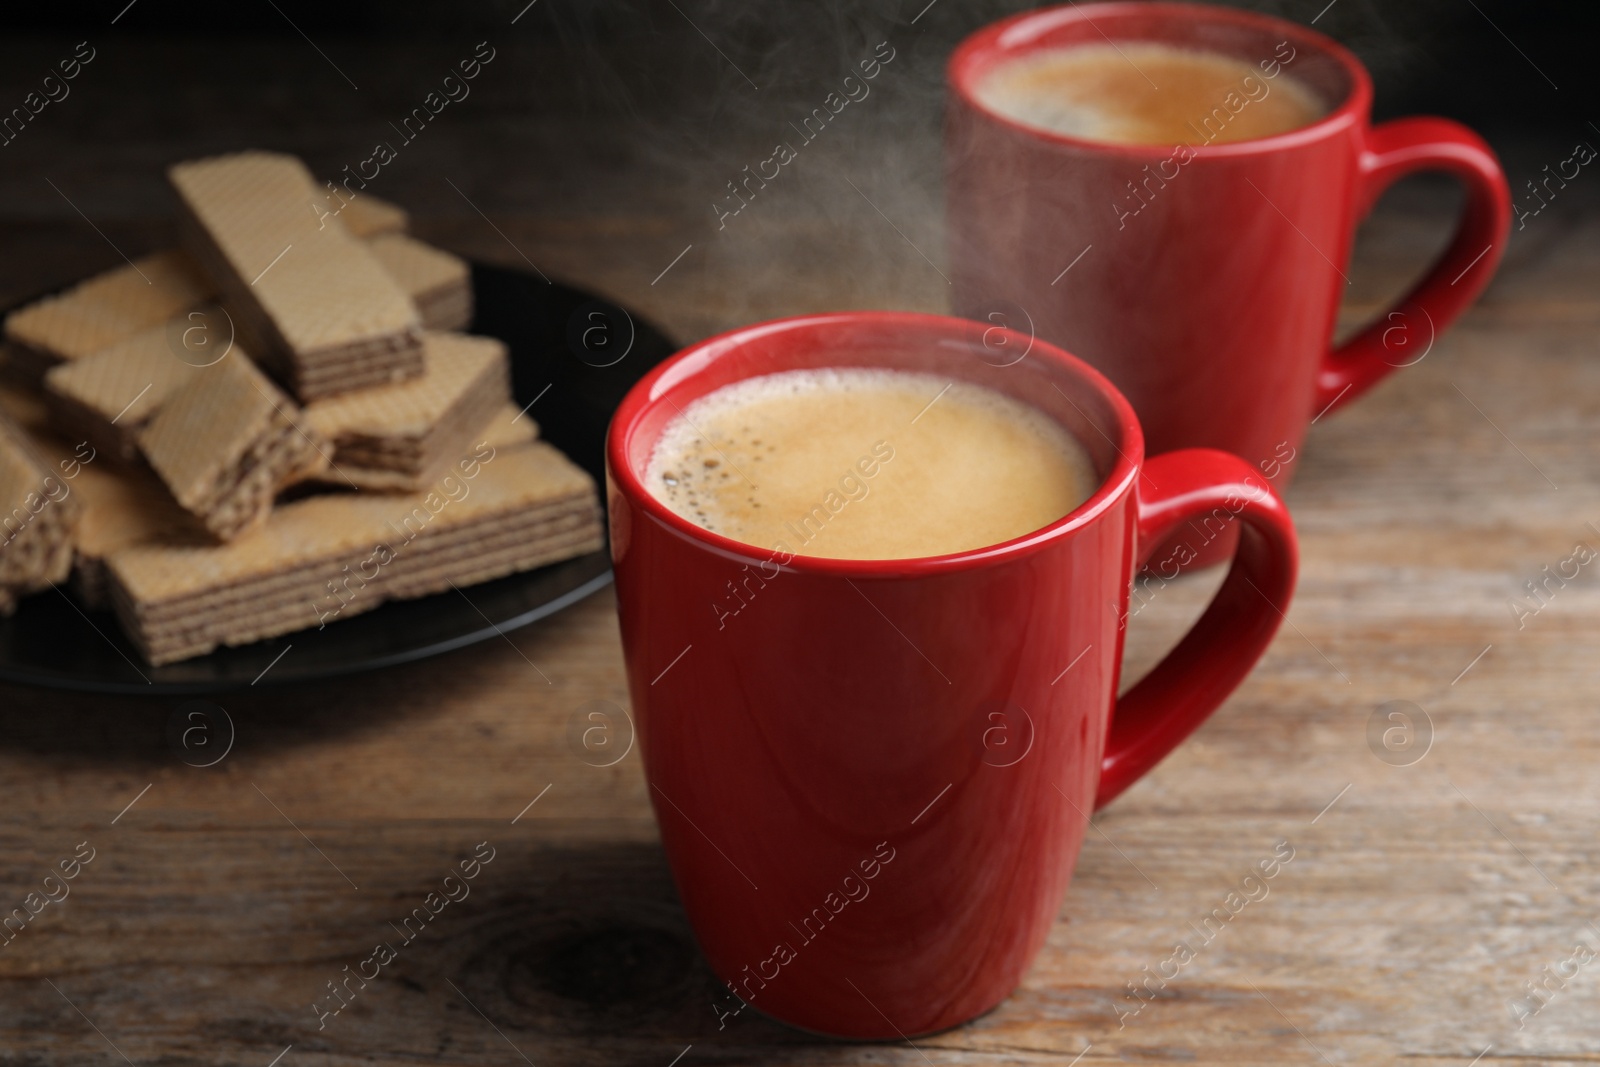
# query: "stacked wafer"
(108, 395)
(308, 298)
(159, 294)
(405, 435)
(147, 453)
(329, 557)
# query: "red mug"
(1204, 279)
(872, 777)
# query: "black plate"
(573, 356)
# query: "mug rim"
(1350, 111)
(650, 392)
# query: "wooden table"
(220, 901)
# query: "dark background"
(601, 134)
(1480, 61)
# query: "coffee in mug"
(866, 463)
(1148, 93)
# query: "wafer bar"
(89, 393)
(111, 308)
(37, 516)
(439, 283)
(328, 557)
(298, 603)
(102, 310)
(403, 436)
(308, 299)
(226, 442)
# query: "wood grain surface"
(1420, 901)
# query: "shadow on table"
(590, 961)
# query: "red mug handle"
(1205, 667)
(1392, 151)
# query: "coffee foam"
(1149, 93)
(867, 463)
